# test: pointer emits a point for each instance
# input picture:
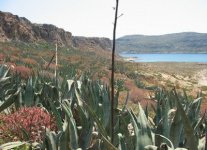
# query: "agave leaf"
(176, 129)
(106, 107)
(70, 83)
(64, 142)
(101, 129)
(79, 84)
(108, 144)
(85, 134)
(124, 121)
(71, 94)
(4, 72)
(142, 131)
(58, 137)
(143, 121)
(158, 116)
(94, 93)
(116, 127)
(202, 145)
(4, 79)
(57, 115)
(96, 119)
(79, 101)
(72, 125)
(19, 101)
(64, 89)
(12, 145)
(138, 144)
(150, 147)
(191, 139)
(51, 140)
(9, 100)
(96, 146)
(28, 96)
(200, 121)
(164, 125)
(122, 145)
(172, 146)
(55, 93)
(194, 110)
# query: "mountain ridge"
(184, 42)
(15, 28)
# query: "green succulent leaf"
(122, 144)
(192, 140)
(72, 125)
(142, 131)
(9, 100)
(13, 145)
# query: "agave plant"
(82, 111)
(9, 88)
(178, 119)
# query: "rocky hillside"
(91, 43)
(186, 42)
(14, 28)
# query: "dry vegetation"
(140, 81)
(139, 78)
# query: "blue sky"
(95, 17)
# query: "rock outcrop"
(14, 28)
(17, 28)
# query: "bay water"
(202, 58)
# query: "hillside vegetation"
(187, 42)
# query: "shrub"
(29, 61)
(26, 124)
(24, 72)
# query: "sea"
(200, 58)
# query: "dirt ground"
(189, 76)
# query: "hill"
(15, 28)
(186, 42)
(28, 49)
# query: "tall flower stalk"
(56, 62)
(112, 71)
